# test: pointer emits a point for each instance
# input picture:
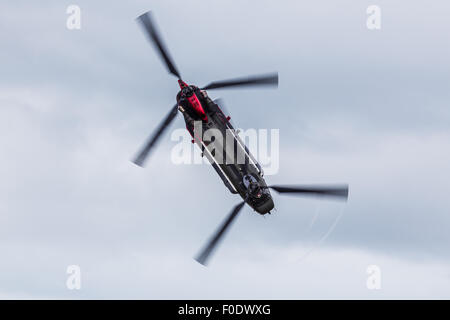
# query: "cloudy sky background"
(369, 108)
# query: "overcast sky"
(364, 107)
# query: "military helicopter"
(241, 173)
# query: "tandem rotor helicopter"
(240, 177)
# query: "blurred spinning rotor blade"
(140, 158)
(211, 245)
(251, 81)
(150, 27)
(340, 192)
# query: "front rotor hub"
(187, 91)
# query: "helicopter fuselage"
(219, 142)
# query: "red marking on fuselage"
(194, 102)
(182, 84)
(197, 106)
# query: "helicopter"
(241, 173)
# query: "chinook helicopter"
(236, 166)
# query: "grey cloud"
(367, 108)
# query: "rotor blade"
(261, 80)
(148, 23)
(209, 248)
(140, 158)
(330, 191)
